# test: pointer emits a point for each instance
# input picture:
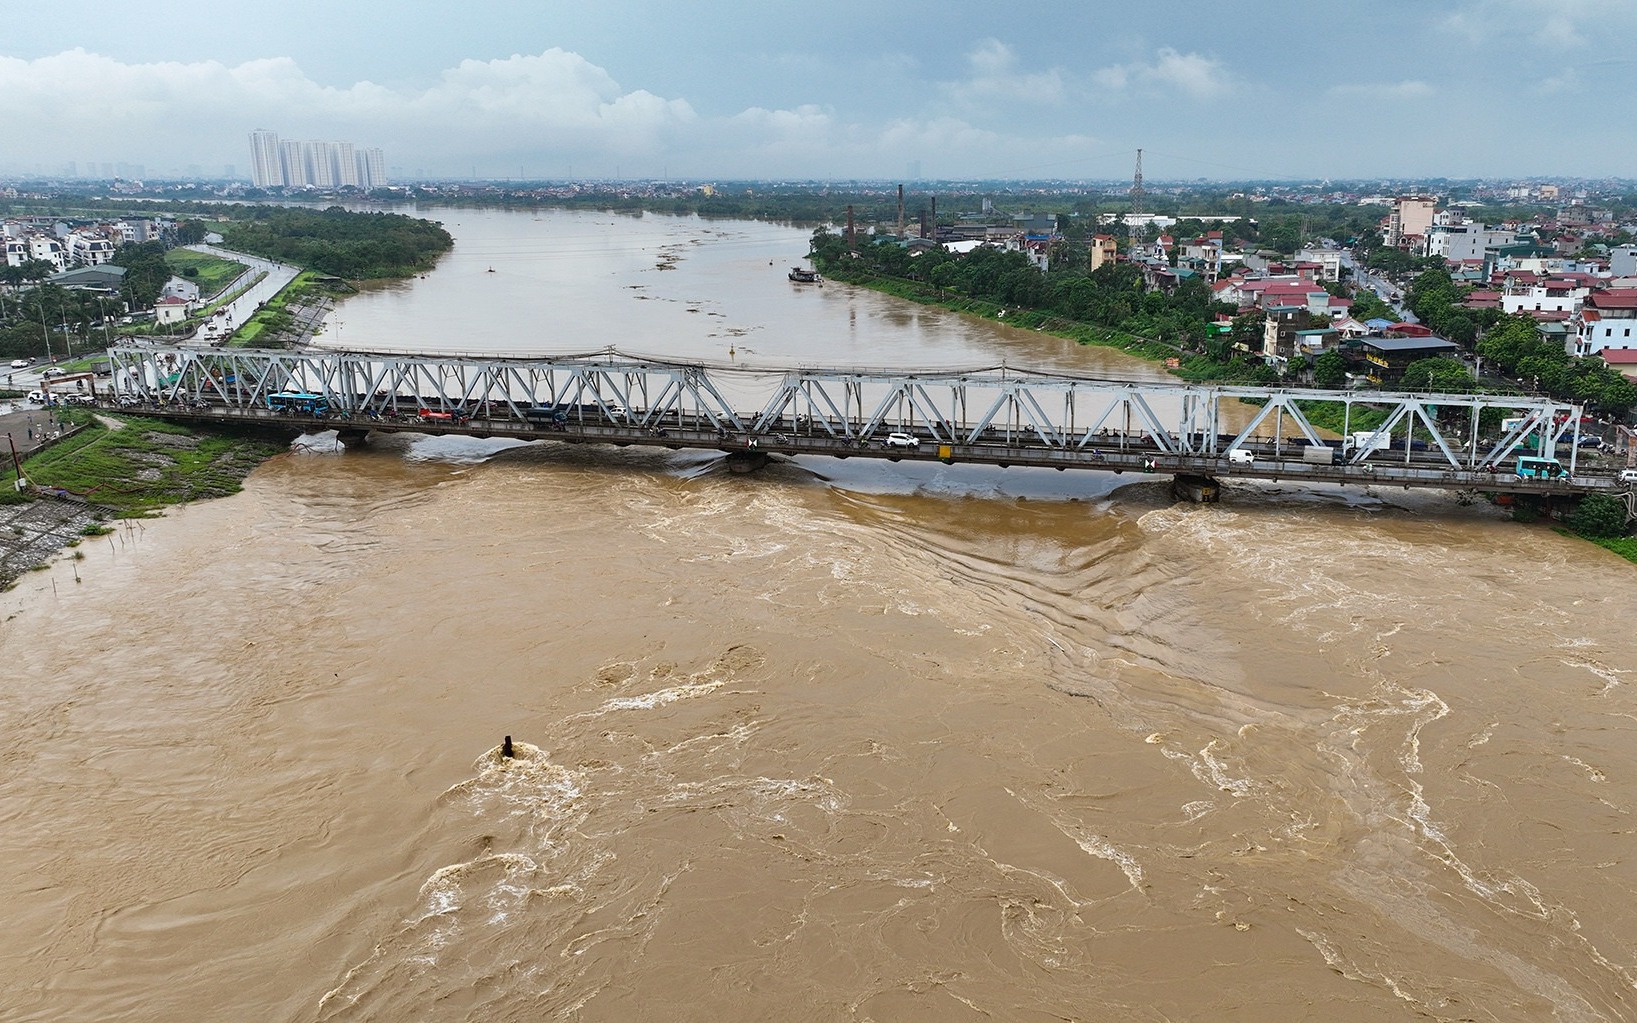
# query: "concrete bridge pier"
(352, 438)
(746, 461)
(1198, 489)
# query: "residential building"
(1203, 256)
(372, 169)
(1561, 294)
(1280, 331)
(1287, 290)
(266, 163)
(51, 250)
(1622, 360)
(1606, 321)
(1411, 217)
(1230, 291)
(170, 309)
(1327, 263)
(1623, 261)
(1349, 328)
(1459, 243)
(290, 163)
(1104, 249)
(89, 249)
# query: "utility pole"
(46, 330)
(1136, 200)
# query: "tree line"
(356, 246)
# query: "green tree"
(145, 272)
(1442, 374)
(1283, 235)
(1368, 306)
(36, 269)
(1599, 515)
(1248, 330)
(1330, 369)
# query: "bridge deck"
(1136, 455)
(994, 416)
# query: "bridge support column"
(352, 438)
(1198, 489)
(746, 461)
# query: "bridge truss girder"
(980, 407)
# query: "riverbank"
(107, 467)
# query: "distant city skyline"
(549, 90)
(308, 163)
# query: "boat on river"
(801, 276)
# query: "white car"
(19, 364)
(1628, 475)
(902, 440)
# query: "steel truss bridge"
(994, 416)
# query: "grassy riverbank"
(1624, 546)
(210, 273)
(1023, 319)
(131, 467)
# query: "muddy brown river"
(832, 741)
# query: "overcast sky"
(832, 89)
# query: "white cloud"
(74, 104)
(1384, 91)
(545, 113)
(1190, 73)
(996, 75)
(1554, 24)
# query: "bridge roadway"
(988, 417)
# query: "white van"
(1241, 456)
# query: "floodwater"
(834, 741)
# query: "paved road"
(277, 276)
(26, 426)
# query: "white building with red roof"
(170, 309)
(1606, 322)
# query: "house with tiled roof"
(1623, 360)
(1347, 327)
(170, 309)
(1230, 291)
(1105, 248)
(1606, 320)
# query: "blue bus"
(298, 401)
(1531, 468)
